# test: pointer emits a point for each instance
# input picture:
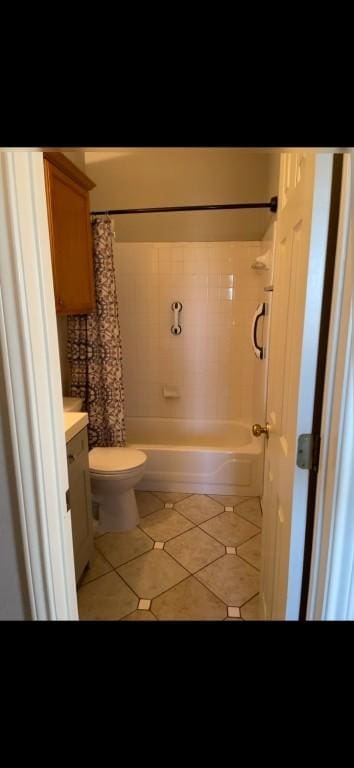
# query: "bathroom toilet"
(114, 472)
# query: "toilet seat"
(111, 461)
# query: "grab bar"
(260, 312)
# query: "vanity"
(75, 424)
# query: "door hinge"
(308, 452)
(67, 496)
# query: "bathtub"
(192, 456)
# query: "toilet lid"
(115, 459)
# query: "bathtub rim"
(254, 446)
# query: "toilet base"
(119, 513)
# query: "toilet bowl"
(114, 472)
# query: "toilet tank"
(72, 403)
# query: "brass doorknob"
(257, 430)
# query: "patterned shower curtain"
(95, 350)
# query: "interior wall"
(137, 178)
(77, 157)
(212, 363)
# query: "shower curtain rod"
(272, 205)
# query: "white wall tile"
(212, 361)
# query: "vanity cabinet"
(67, 191)
(80, 501)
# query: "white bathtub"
(194, 456)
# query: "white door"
(304, 198)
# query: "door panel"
(304, 194)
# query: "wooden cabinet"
(80, 501)
(67, 191)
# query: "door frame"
(331, 587)
(30, 354)
(30, 357)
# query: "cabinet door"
(80, 501)
(71, 242)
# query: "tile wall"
(212, 362)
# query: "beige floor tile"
(199, 508)
(106, 599)
(250, 509)
(189, 601)
(251, 610)
(251, 551)
(99, 567)
(170, 496)
(231, 579)
(140, 616)
(165, 524)
(228, 618)
(194, 549)
(147, 502)
(227, 501)
(118, 548)
(153, 573)
(230, 529)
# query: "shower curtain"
(95, 350)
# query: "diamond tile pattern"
(251, 551)
(194, 537)
(140, 616)
(153, 573)
(118, 548)
(98, 567)
(194, 549)
(227, 501)
(147, 503)
(250, 510)
(231, 579)
(174, 497)
(165, 524)
(199, 508)
(107, 598)
(251, 610)
(188, 600)
(230, 529)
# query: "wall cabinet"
(68, 207)
(80, 501)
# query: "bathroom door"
(302, 227)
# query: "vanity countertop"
(74, 422)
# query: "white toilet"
(113, 474)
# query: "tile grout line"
(239, 503)
(220, 542)
(184, 566)
(248, 601)
(190, 574)
(220, 598)
(203, 585)
(243, 558)
(248, 563)
(79, 586)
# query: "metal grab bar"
(260, 312)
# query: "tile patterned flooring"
(192, 557)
